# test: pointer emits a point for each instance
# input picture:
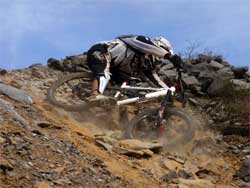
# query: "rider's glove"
(177, 61)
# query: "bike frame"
(157, 92)
(168, 92)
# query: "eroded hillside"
(44, 146)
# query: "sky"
(33, 31)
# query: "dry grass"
(236, 101)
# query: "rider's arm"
(159, 81)
(153, 77)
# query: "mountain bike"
(71, 92)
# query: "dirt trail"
(80, 135)
(202, 151)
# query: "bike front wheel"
(178, 127)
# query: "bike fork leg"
(161, 113)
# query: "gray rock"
(210, 121)
(225, 73)
(193, 101)
(134, 153)
(190, 168)
(16, 94)
(217, 84)
(177, 159)
(167, 66)
(170, 164)
(196, 70)
(215, 65)
(244, 171)
(191, 81)
(240, 72)
(5, 165)
(185, 175)
(139, 145)
(169, 176)
(106, 146)
(3, 71)
(36, 65)
(240, 84)
(8, 108)
(226, 64)
(136, 148)
(79, 59)
(55, 64)
(106, 139)
(248, 73)
(168, 73)
(46, 124)
(246, 151)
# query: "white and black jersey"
(128, 54)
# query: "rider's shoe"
(102, 100)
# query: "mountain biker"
(128, 55)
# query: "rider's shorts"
(96, 60)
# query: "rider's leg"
(99, 65)
(95, 87)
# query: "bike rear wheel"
(70, 91)
(178, 127)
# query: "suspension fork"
(167, 101)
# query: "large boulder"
(170, 74)
(240, 84)
(240, 72)
(16, 94)
(225, 73)
(196, 69)
(191, 81)
(215, 65)
(137, 148)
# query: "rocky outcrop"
(210, 73)
(75, 63)
(204, 73)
